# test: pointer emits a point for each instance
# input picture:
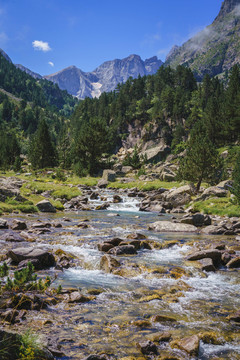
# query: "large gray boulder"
(44, 257)
(179, 196)
(156, 153)
(109, 175)
(213, 254)
(168, 226)
(197, 219)
(215, 191)
(46, 206)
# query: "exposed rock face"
(28, 71)
(103, 78)
(216, 48)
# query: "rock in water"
(168, 226)
(45, 258)
(46, 206)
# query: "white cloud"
(41, 45)
(51, 63)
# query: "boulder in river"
(11, 237)
(168, 226)
(3, 224)
(45, 258)
(234, 263)
(213, 254)
(18, 225)
(148, 348)
(108, 263)
(123, 250)
(45, 206)
(197, 219)
(102, 183)
(189, 344)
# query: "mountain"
(105, 77)
(216, 48)
(29, 72)
(5, 55)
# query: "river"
(152, 282)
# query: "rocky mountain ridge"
(216, 48)
(105, 77)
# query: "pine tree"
(42, 152)
(202, 161)
(236, 179)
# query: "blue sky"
(49, 35)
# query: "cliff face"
(105, 77)
(216, 48)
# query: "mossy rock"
(142, 323)
(211, 337)
(163, 318)
(177, 272)
(150, 298)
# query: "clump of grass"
(26, 346)
(145, 185)
(218, 206)
(24, 207)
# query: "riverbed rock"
(148, 348)
(197, 219)
(102, 183)
(214, 230)
(77, 297)
(123, 250)
(97, 357)
(3, 224)
(11, 237)
(46, 206)
(136, 236)
(94, 195)
(105, 247)
(108, 263)
(45, 258)
(189, 344)
(213, 254)
(207, 265)
(234, 263)
(115, 241)
(103, 206)
(41, 225)
(168, 226)
(18, 225)
(117, 199)
(235, 317)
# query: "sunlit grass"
(145, 185)
(218, 206)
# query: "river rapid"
(124, 306)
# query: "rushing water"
(148, 286)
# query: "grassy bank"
(218, 206)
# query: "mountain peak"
(216, 48)
(227, 7)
